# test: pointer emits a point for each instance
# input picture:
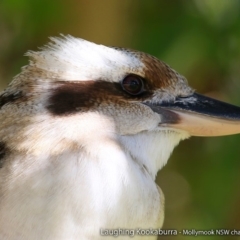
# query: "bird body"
(82, 138)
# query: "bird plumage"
(78, 152)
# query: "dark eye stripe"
(8, 98)
(81, 96)
(3, 151)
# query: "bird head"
(75, 93)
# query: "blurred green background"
(200, 39)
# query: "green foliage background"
(200, 39)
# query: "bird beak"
(199, 115)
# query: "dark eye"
(132, 84)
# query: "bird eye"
(132, 84)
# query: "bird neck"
(85, 176)
(86, 189)
(151, 150)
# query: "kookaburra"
(84, 129)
